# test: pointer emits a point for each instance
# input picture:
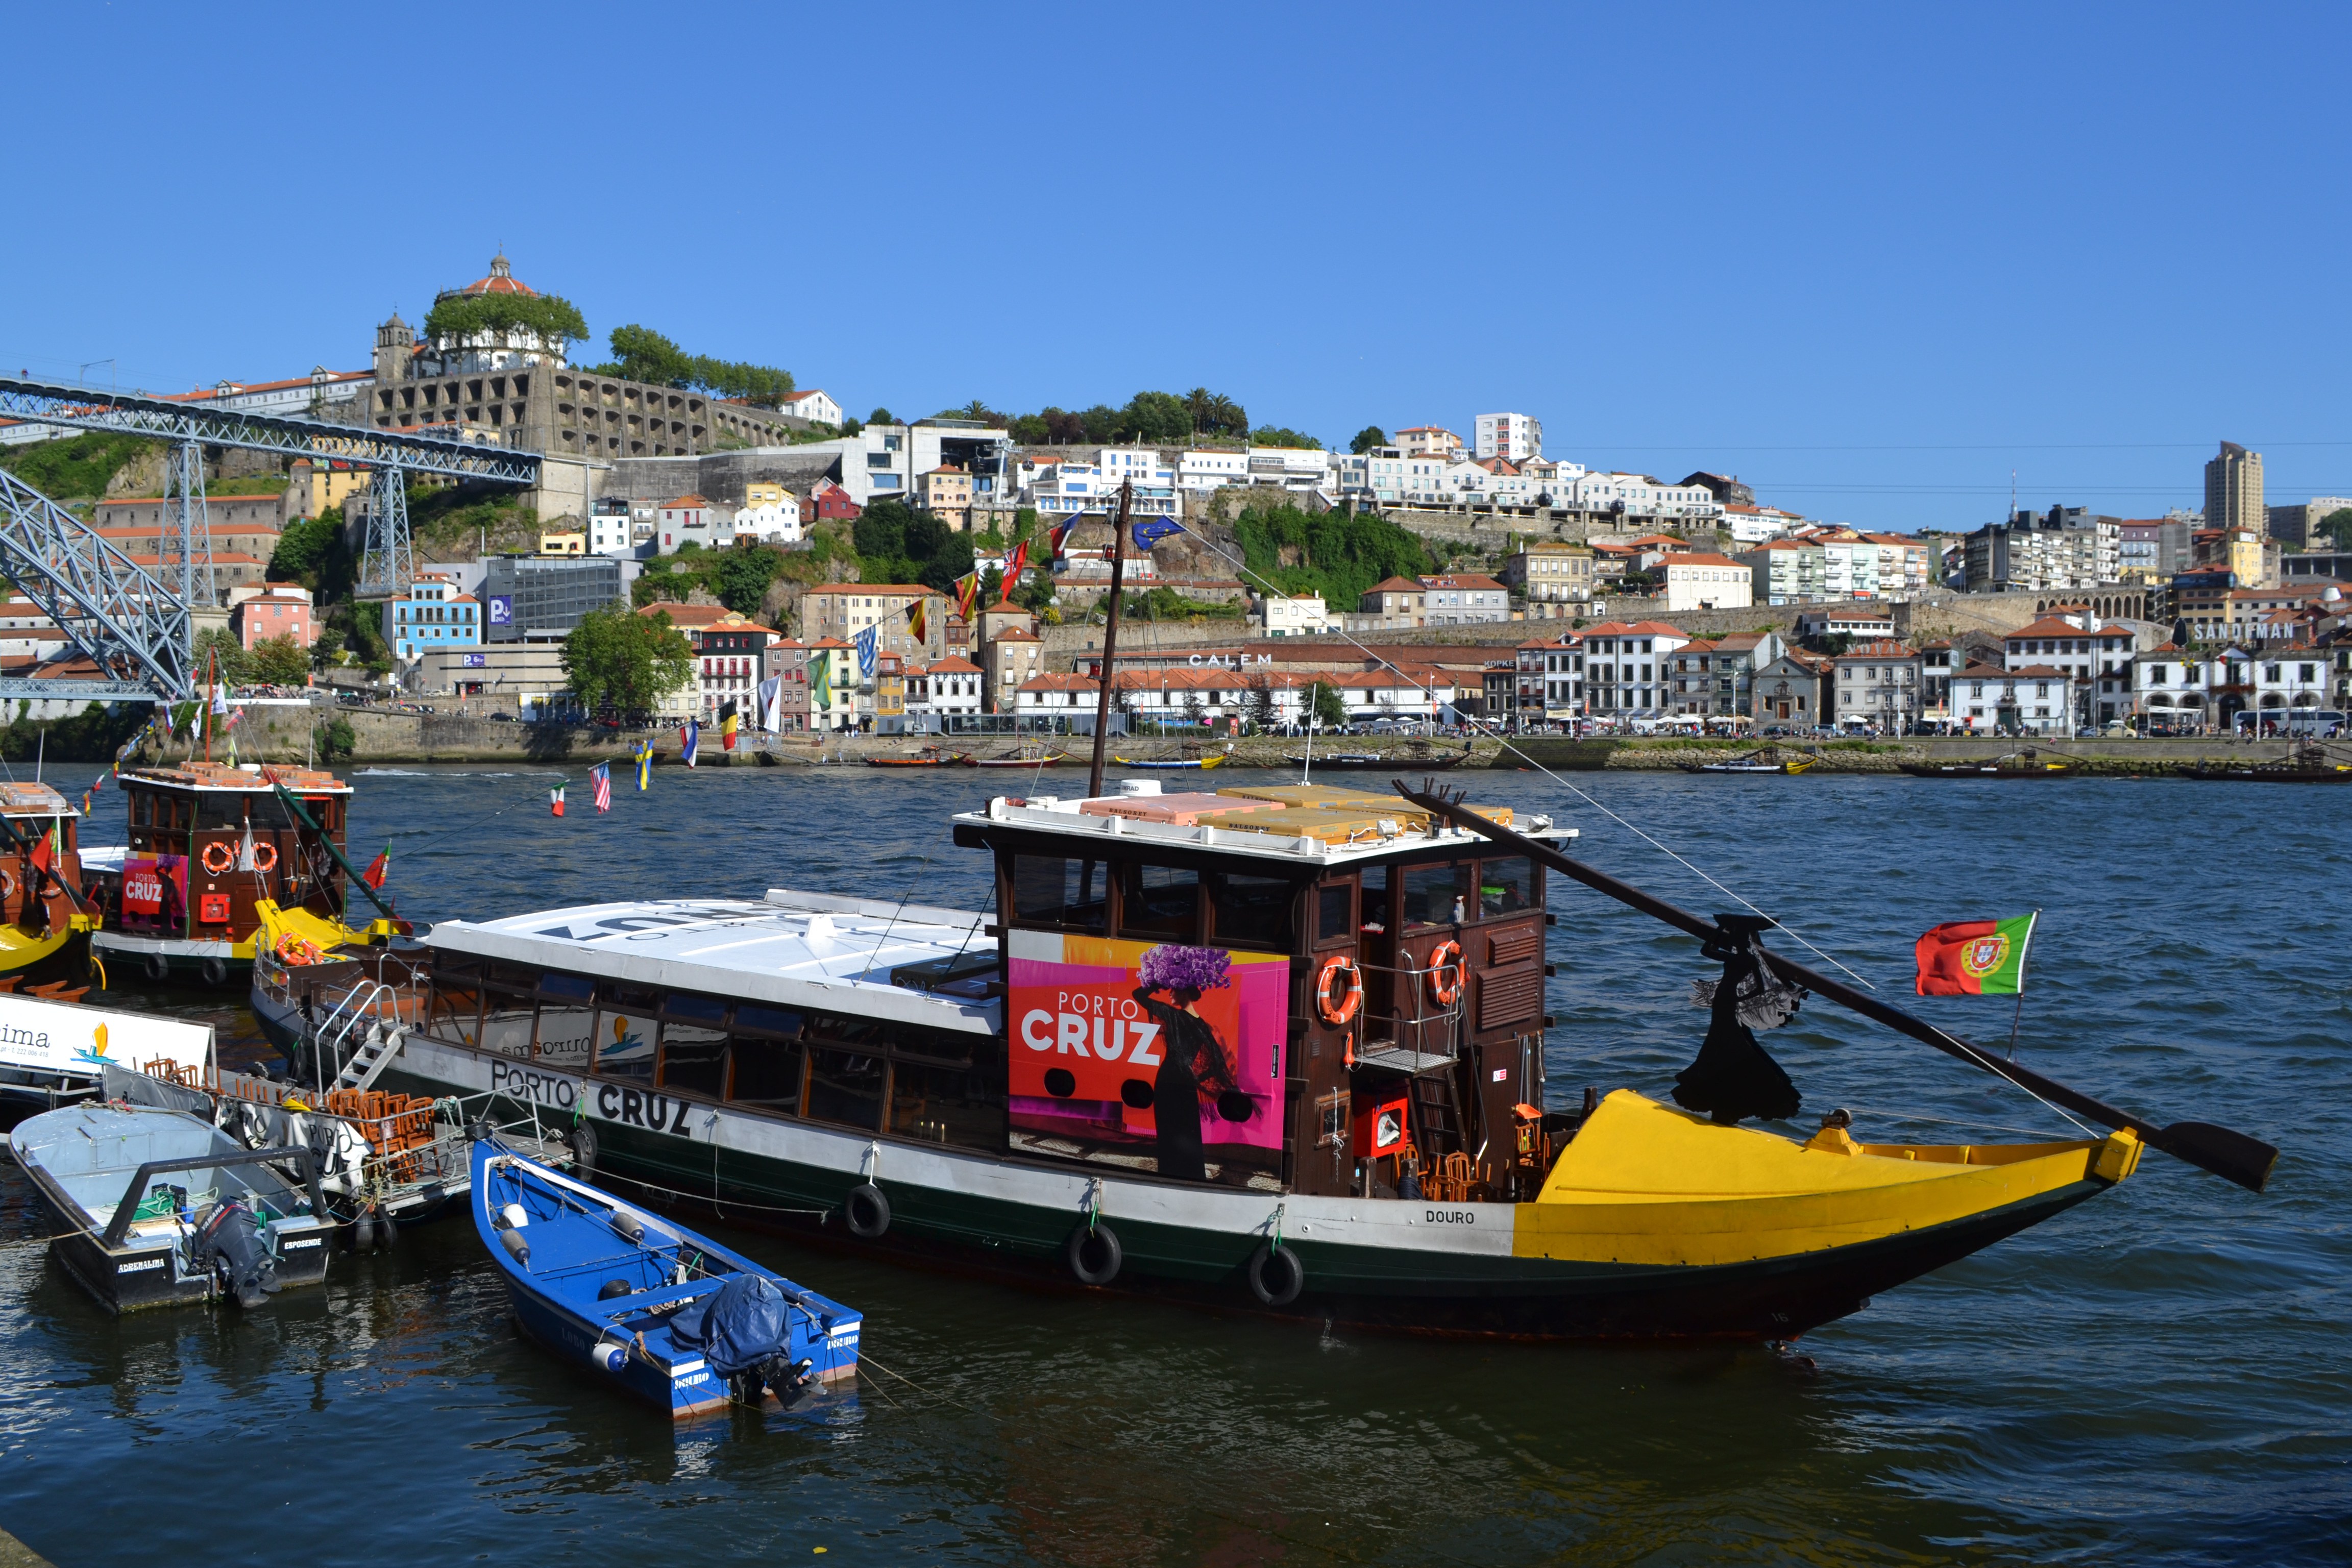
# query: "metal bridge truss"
(388, 563)
(138, 631)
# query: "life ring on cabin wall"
(227, 857)
(265, 856)
(292, 949)
(1445, 972)
(7, 885)
(1339, 1010)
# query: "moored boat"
(1361, 760)
(161, 1208)
(929, 757)
(1290, 1056)
(209, 843)
(2016, 765)
(1173, 764)
(668, 1316)
(2308, 764)
(46, 913)
(1027, 757)
(55, 1051)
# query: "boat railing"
(335, 1030)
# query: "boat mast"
(1111, 638)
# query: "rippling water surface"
(2158, 1376)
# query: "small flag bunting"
(555, 800)
(599, 778)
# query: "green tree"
(555, 319)
(219, 650)
(278, 661)
(1214, 414)
(1323, 701)
(1098, 425)
(640, 353)
(976, 411)
(1154, 419)
(1261, 702)
(76, 466)
(335, 739)
(883, 416)
(741, 576)
(303, 546)
(620, 661)
(2337, 526)
(1369, 437)
(1276, 436)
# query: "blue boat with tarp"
(670, 1315)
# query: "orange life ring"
(228, 857)
(1445, 959)
(265, 856)
(295, 950)
(1340, 1009)
(7, 885)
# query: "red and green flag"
(1976, 958)
(378, 868)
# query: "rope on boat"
(1478, 722)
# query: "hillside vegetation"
(1339, 554)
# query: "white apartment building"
(1200, 471)
(1514, 436)
(1849, 569)
(1700, 579)
(1285, 615)
(612, 531)
(1300, 468)
(1627, 667)
(813, 405)
(1639, 495)
(1385, 473)
(1755, 524)
(770, 513)
(1428, 441)
(1064, 489)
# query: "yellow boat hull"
(21, 951)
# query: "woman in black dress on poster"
(1191, 1054)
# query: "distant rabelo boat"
(1280, 1048)
(46, 916)
(209, 845)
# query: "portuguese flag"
(1976, 958)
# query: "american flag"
(600, 776)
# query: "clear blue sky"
(1871, 259)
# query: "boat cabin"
(208, 841)
(40, 860)
(1278, 989)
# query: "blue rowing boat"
(672, 1317)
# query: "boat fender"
(1276, 1276)
(518, 1248)
(1339, 1008)
(629, 1226)
(1445, 972)
(604, 1353)
(480, 1130)
(387, 1230)
(156, 968)
(215, 973)
(1094, 1254)
(867, 1211)
(512, 1218)
(613, 1289)
(364, 1229)
(582, 1142)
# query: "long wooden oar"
(2233, 1156)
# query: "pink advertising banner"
(1152, 1055)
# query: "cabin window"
(455, 1012)
(1434, 894)
(507, 1018)
(960, 1103)
(142, 810)
(217, 809)
(624, 1036)
(1505, 887)
(1251, 911)
(846, 1086)
(1050, 890)
(1335, 912)
(567, 1019)
(694, 1046)
(1160, 901)
(765, 1056)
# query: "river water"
(2158, 1376)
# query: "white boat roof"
(789, 950)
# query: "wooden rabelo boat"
(209, 845)
(929, 757)
(1359, 761)
(2308, 764)
(1291, 1058)
(2016, 765)
(45, 915)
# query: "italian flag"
(1976, 958)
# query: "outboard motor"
(231, 1244)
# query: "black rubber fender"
(156, 968)
(865, 1211)
(1094, 1254)
(215, 973)
(582, 1140)
(1276, 1275)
